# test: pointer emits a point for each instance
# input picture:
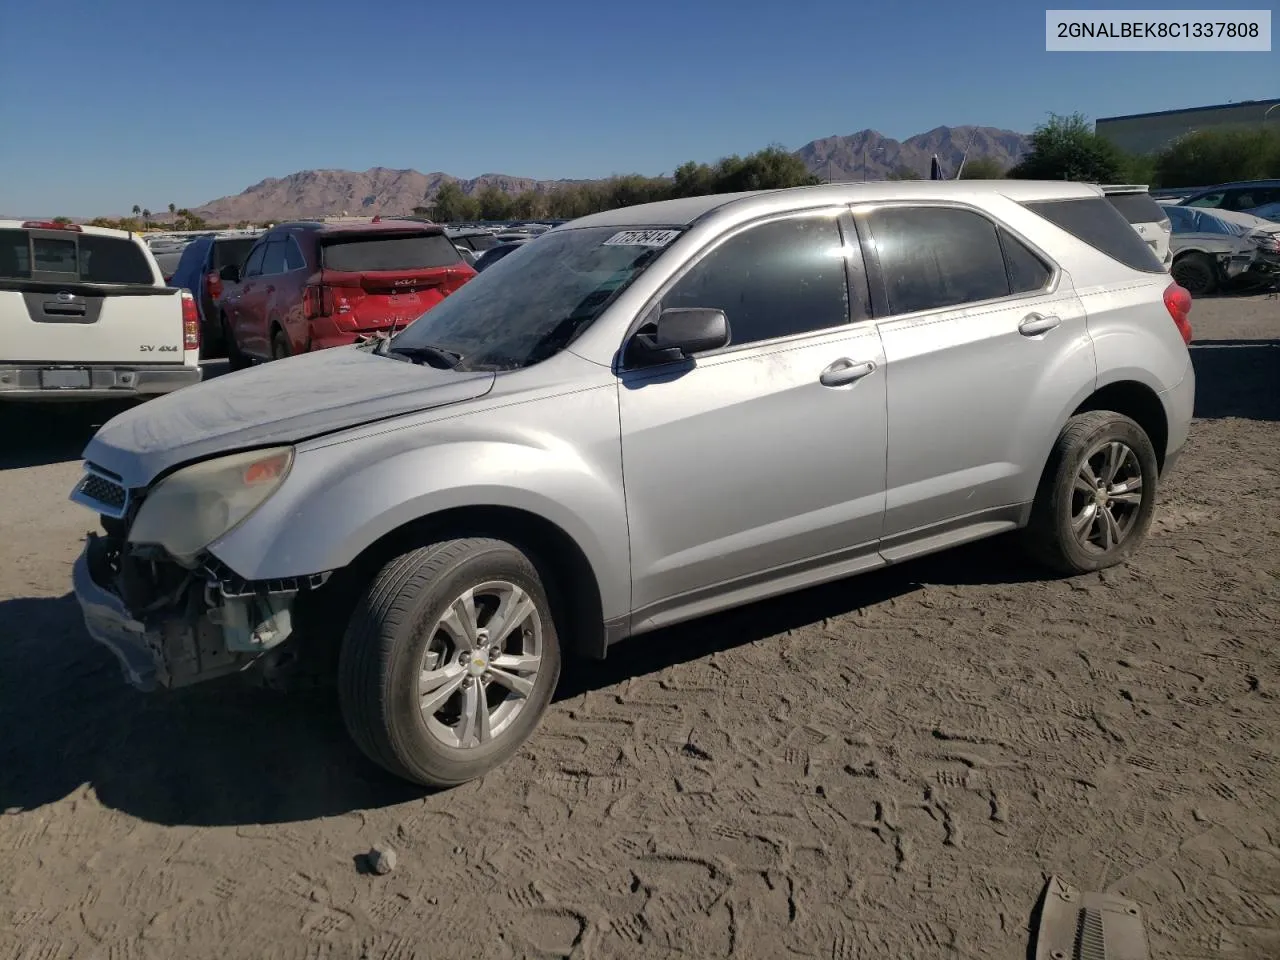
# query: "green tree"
(1206, 157)
(452, 205)
(173, 211)
(146, 216)
(61, 219)
(1066, 148)
(136, 210)
(982, 168)
(528, 205)
(495, 204)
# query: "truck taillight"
(213, 284)
(190, 322)
(51, 225)
(1177, 300)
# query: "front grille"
(101, 494)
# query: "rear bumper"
(1179, 405)
(23, 381)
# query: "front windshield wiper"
(423, 352)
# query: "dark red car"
(307, 285)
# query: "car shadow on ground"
(1237, 378)
(226, 753)
(39, 434)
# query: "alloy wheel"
(1106, 496)
(480, 664)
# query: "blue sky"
(104, 105)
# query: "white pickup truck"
(85, 315)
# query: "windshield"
(531, 304)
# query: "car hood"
(286, 401)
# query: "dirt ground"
(889, 766)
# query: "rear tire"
(419, 658)
(1197, 273)
(280, 345)
(236, 359)
(1097, 495)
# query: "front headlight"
(190, 509)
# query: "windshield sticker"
(642, 238)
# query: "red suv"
(306, 286)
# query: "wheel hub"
(477, 662)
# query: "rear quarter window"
(362, 252)
(1099, 224)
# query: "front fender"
(341, 497)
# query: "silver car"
(646, 416)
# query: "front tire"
(449, 661)
(1097, 495)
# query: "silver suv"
(639, 418)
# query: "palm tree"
(146, 215)
(172, 210)
(136, 210)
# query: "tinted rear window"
(88, 258)
(358, 253)
(231, 251)
(1137, 207)
(1099, 224)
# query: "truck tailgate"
(84, 323)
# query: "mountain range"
(864, 155)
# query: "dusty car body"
(646, 416)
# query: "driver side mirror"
(230, 273)
(678, 333)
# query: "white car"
(86, 315)
(1144, 214)
(1211, 247)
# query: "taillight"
(1177, 300)
(190, 322)
(51, 225)
(213, 284)
(319, 300)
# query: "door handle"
(844, 371)
(1034, 324)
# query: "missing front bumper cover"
(212, 626)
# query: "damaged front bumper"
(212, 624)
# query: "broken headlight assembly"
(191, 508)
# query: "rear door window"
(934, 257)
(293, 258)
(358, 253)
(273, 259)
(1027, 272)
(253, 266)
(1100, 225)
